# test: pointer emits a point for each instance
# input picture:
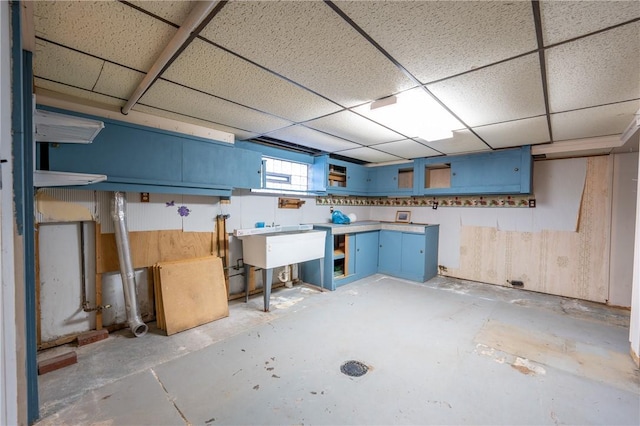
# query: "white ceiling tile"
(239, 134)
(118, 81)
(592, 122)
(166, 95)
(208, 68)
(309, 43)
(439, 39)
(369, 154)
(311, 138)
(106, 29)
(354, 127)
(172, 11)
(462, 141)
(78, 93)
(595, 70)
(507, 91)
(564, 20)
(407, 148)
(65, 66)
(529, 131)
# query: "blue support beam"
(22, 124)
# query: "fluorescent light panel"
(413, 113)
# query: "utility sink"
(279, 246)
(282, 248)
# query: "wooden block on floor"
(57, 362)
(92, 336)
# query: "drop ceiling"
(510, 73)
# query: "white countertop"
(364, 226)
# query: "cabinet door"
(386, 179)
(431, 246)
(366, 253)
(357, 178)
(126, 153)
(318, 174)
(209, 164)
(493, 172)
(413, 256)
(389, 254)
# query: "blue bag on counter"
(338, 217)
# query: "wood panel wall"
(573, 264)
(151, 247)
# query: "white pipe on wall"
(199, 12)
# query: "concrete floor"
(443, 352)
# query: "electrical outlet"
(532, 202)
(144, 197)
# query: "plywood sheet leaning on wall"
(190, 293)
(572, 264)
(151, 247)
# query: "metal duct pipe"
(134, 320)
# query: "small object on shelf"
(337, 176)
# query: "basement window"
(285, 174)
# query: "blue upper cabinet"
(396, 179)
(499, 172)
(338, 177)
(138, 158)
(238, 168)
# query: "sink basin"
(282, 248)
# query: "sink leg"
(267, 276)
(247, 269)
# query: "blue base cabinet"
(348, 257)
(408, 255)
(354, 255)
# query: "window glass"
(284, 174)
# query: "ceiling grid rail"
(199, 18)
(406, 72)
(537, 19)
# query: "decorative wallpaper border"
(518, 200)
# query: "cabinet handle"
(421, 251)
(380, 245)
(516, 169)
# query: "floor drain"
(354, 368)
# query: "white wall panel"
(202, 213)
(558, 185)
(623, 221)
(61, 283)
(161, 212)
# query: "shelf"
(45, 178)
(61, 128)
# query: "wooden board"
(151, 247)
(98, 282)
(193, 293)
(554, 262)
(155, 270)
